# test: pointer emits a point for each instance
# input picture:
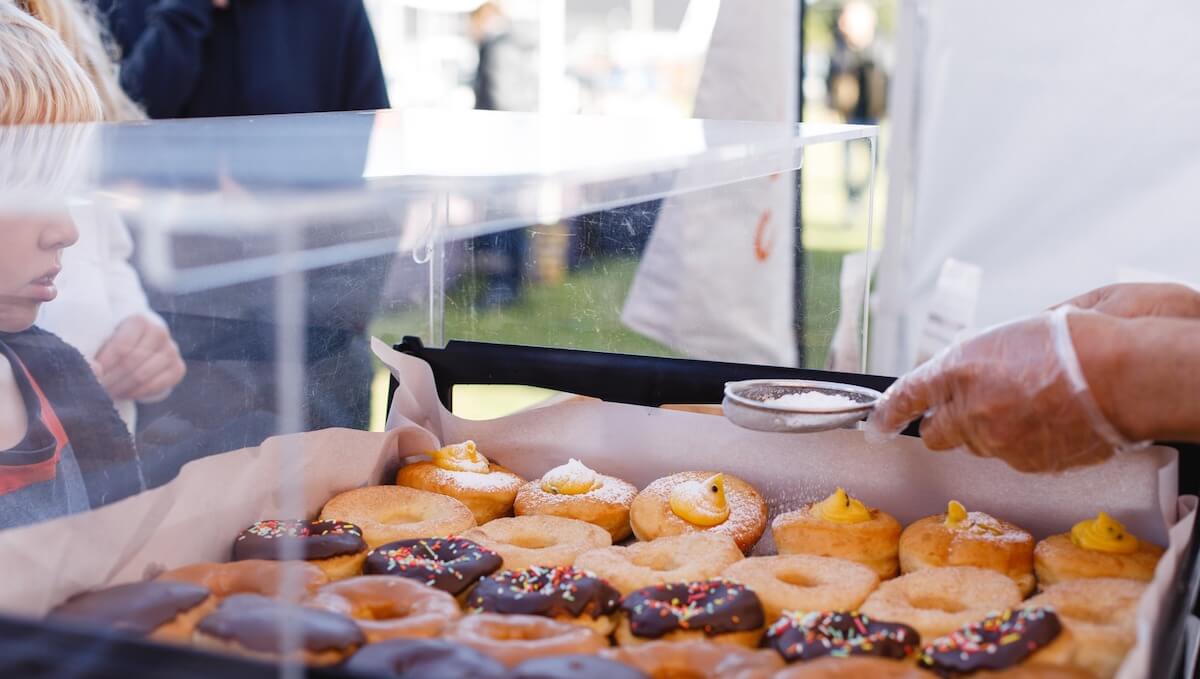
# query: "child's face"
(30, 257)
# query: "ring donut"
(802, 582)
(335, 547)
(253, 576)
(997, 642)
(524, 541)
(389, 608)
(713, 610)
(937, 601)
(856, 667)
(678, 558)
(409, 658)
(563, 593)
(159, 610)
(390, 513)
(513, 639)
(254, 626)
(807, 636)
(575, 667)
(450, 564)
(1098, 616)
(697, 659)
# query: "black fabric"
(103, 448)
(184, 59)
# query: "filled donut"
(843, 527)
(463, 473)
(962, 538)
(1095, 548)
(690, 502)
(575, 491)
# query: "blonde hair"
(40, 82)
(88, 43)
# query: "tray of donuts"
(463, 568)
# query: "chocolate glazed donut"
(336, 547)
(805, 636)
(996, 642)
(250, 624)
(711, 606)
(450, 564)
(162, 610)
(552, 592)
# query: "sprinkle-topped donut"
(712, 606)
(308, 540)
(450, 564)
(994, 643)
(805, 636)
(561, 591)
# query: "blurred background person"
(856, 82)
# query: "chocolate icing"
(255, 622)
(994, 643)
(449, 564)
(805, 636)
(422, 658)
(575, 667)
(552, 592)
(313, 539)
(711, 606)
(137, 608)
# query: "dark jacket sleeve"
(363, 86)
(160, 67)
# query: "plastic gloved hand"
(1137, 300)
(1015, 392)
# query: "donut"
(1095, 548)
(524, 541)
(390, 513)
(961, 538)
(253, 576)
(563, 593)
(997, 642)
(937, 601)
(574, 491)
(806, 636)
(513, 639)
(450, 564)
(335, 547)
(254, 626)
(679, 558)
(1098, 616)
(842, 527)
(389, 608)
(463, 473)
(691, 502)
(575, 667)
(856, 667)
(421, 658)
(163, 611)
(696, 659)
(717, 610)
(802, 582)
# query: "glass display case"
(270, 249)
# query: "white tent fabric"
(1052, 145)
(716, 279)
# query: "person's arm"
(365, 88)
(1144, 372)
(1135, 300)
(161, 66)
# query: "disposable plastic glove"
(1138, 300)
(1015, 392)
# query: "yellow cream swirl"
(701, 502)
(1103, 534)
(841, 508)
(956, 514)
(461, 457)
(572, 478)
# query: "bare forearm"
(1144, 372)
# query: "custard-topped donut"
(524, 541)
(562, 592)
(389, 608)
(843, 527)
(962, 538)
(696, 659)
(690, 502)
(163, 611)
(937, 601)
(253, 625)
(678, 558)
(719, 610)
(513, 639)
(451, 564)
(997, 642)
(463, 473)
(803, 582)
(390, 513)
(1099, 620)
(575, 491)
(335, 547)
(1095, 548)
(805, 636)
(253, 576)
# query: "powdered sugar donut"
(575, 491)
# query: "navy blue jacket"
(184, 59)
